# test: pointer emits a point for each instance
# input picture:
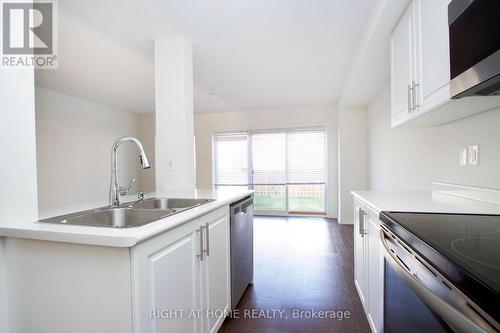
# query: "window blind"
(307, 157)
(268, 158)
(230, 153)
(277, 158)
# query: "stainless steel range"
(442, 272)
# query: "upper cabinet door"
(403, 65)
(433, 53)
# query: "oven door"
(418, 299)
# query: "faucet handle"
(132, 181)
(124, 190)
(140, 195)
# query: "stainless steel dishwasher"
(241, 248)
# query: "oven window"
(404, 311)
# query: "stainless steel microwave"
(474, 27)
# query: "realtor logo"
(29, 34)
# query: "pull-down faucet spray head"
(144, 159)
(114, 190)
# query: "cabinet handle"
(409, 98)
(200, 255)
(414, 86)
(207, 235)
(361, 217)
(207, 240)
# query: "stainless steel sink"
(168, 203)
(113, 217)
(129, 215)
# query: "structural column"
(174, 141)
(19, 203)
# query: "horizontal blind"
(230, 159)
(276, 158)
(269, 158)
(307, 157)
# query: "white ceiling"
(247, 54)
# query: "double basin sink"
(129, 215)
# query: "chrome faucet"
(115, 191)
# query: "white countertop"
(424, 201)
(120, 237)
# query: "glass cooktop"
(471, 242)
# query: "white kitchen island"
(68, 278)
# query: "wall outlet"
(171, 166)
(463, 154)
(473, 155)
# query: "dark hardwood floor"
(301, 264)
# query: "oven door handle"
(460, 320)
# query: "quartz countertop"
(116, 237)
(424, 201)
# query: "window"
(307, 165)
(287, 169)
(231, 160)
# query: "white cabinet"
(360, 257)
(369, 264)
(179, 273)
(375, 262)
(217, 274)
(433, 54)
(167, 277)
(420, 70)
(403, 71)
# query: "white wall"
(399, 159)
(353, 159)
(18, 164)
(147, 138)
(74, 138)
(208, 123)
(411, 158)
(482, 129)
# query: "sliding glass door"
(287, 169)
(268, 177)
(307, 171)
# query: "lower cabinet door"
(360, 269)
(375, 273)
(216, 274)
(166, 273)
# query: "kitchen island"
(170, 275)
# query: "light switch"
(474, 155)
(463, 156)
(171, 165)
